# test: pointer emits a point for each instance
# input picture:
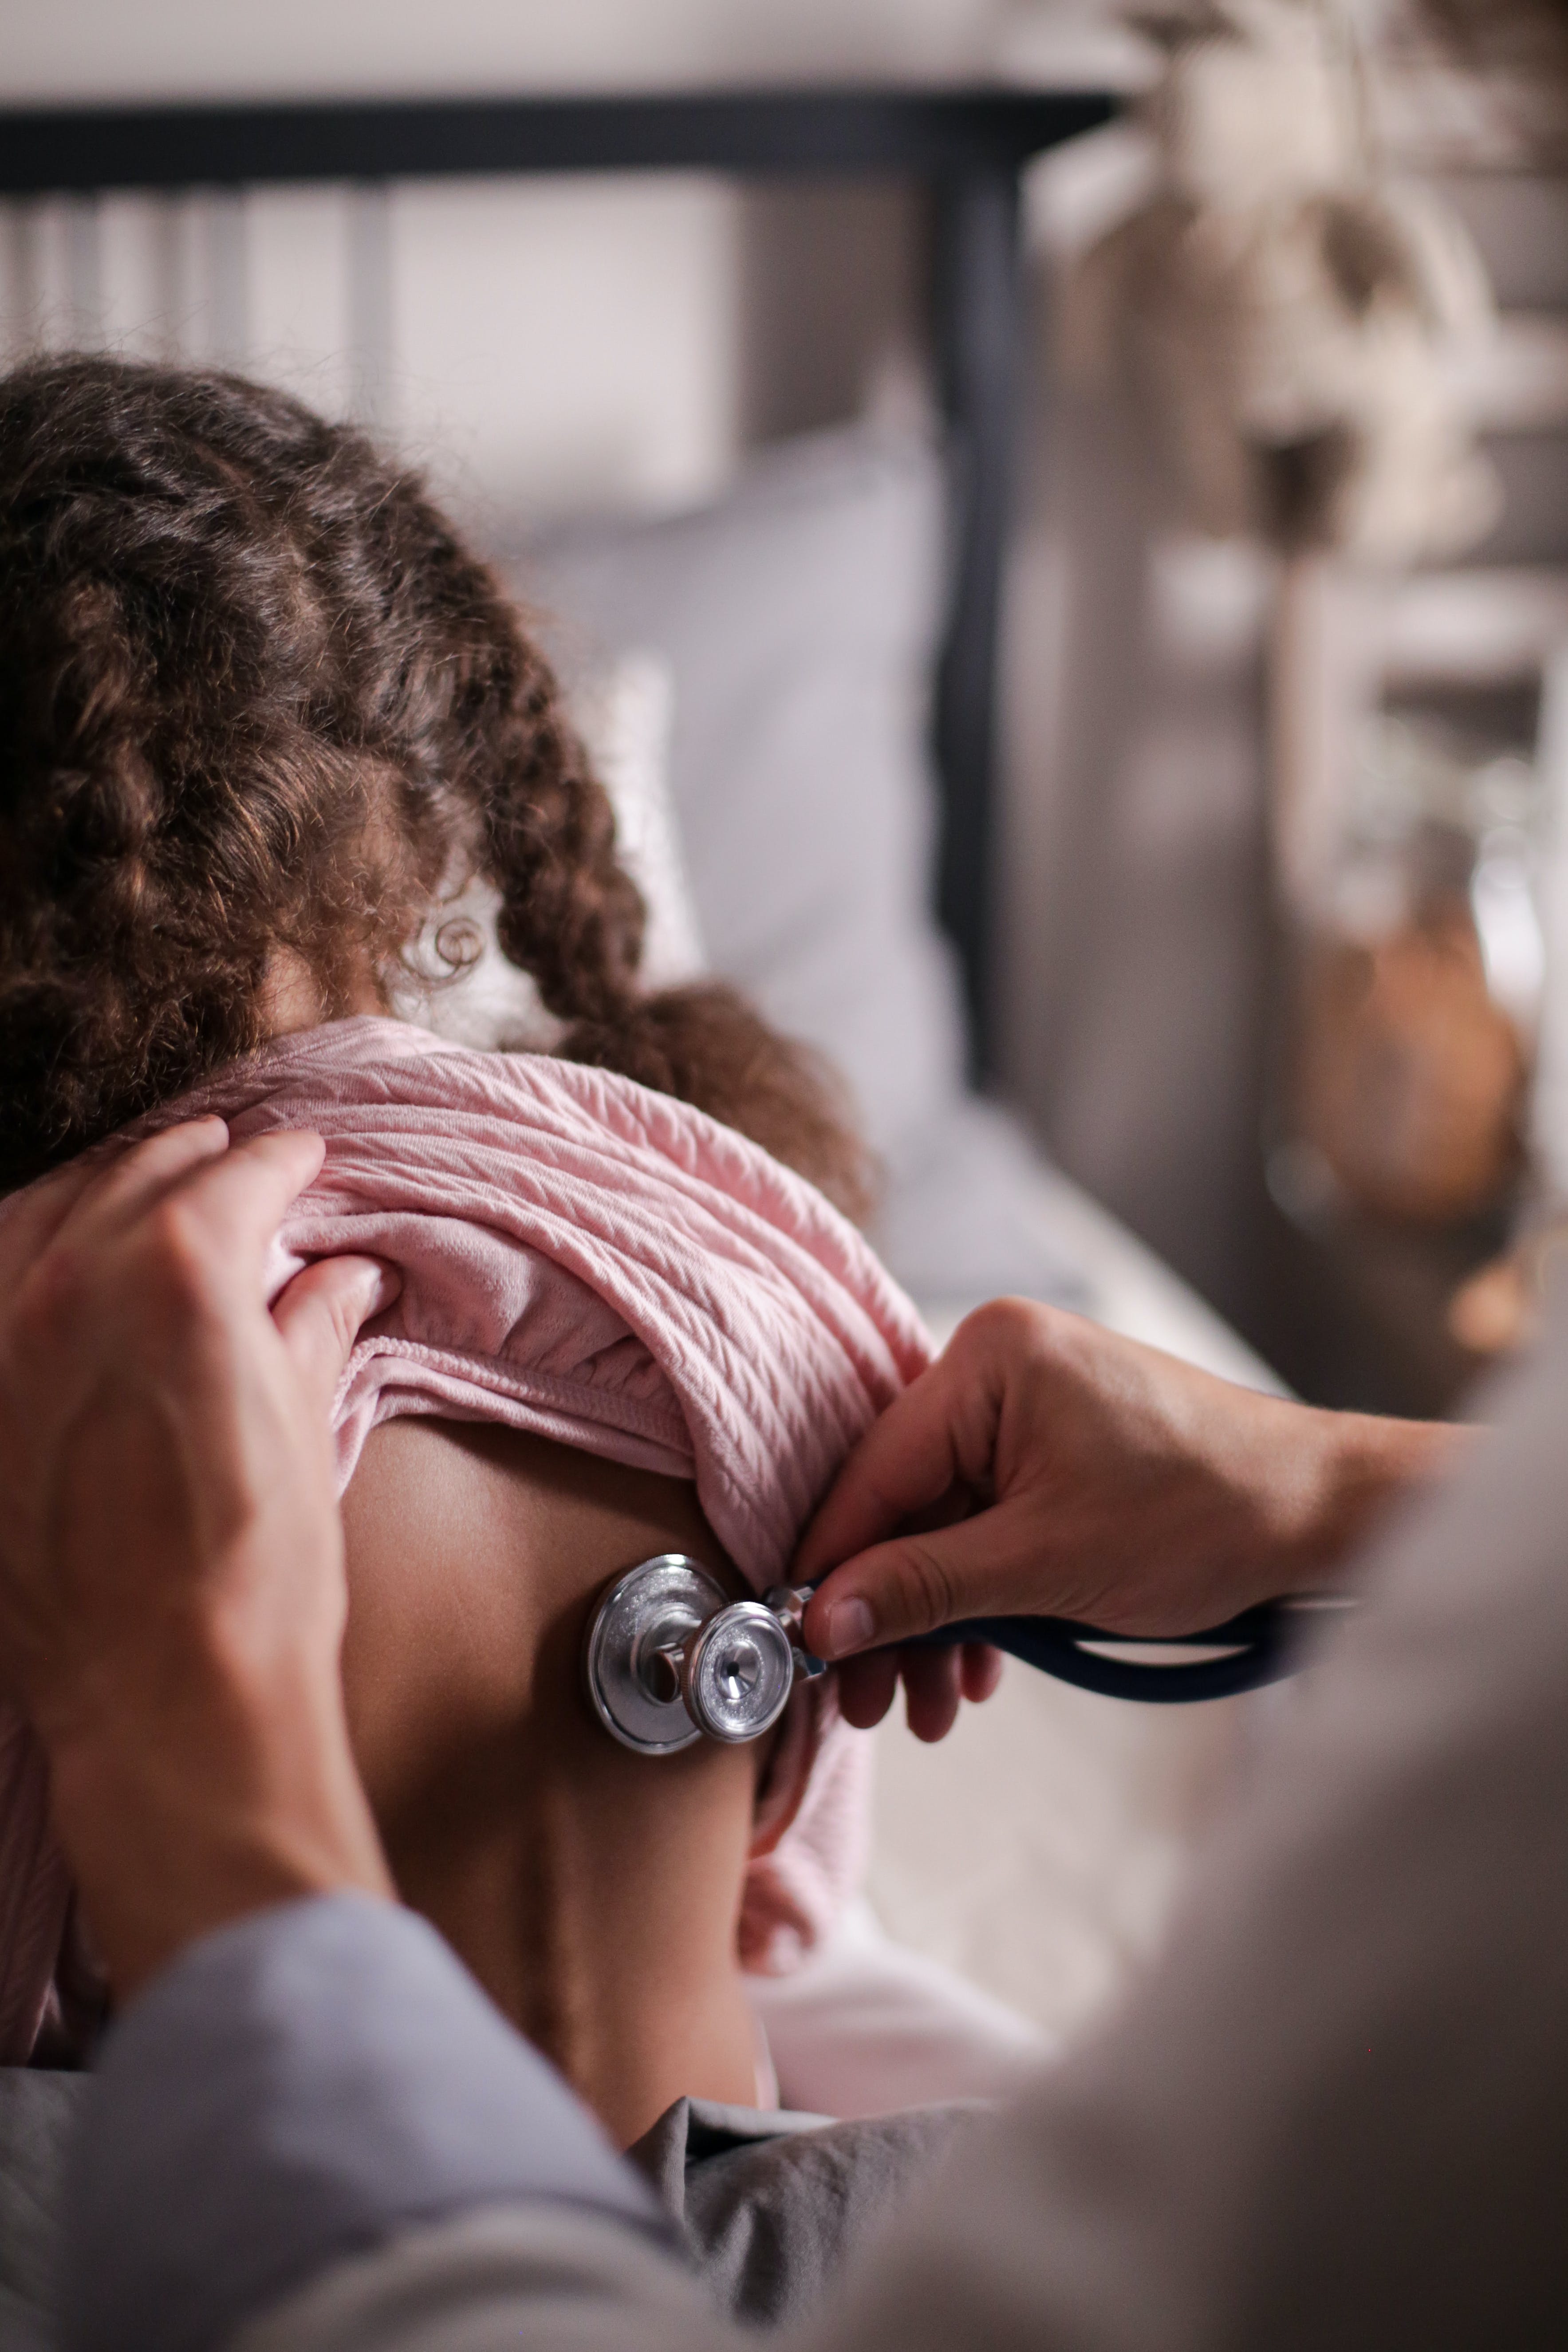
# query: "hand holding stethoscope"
(1047, 1468)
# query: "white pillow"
(625, 716)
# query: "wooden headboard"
(966, 146)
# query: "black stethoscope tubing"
(1257, 1648)
(666, 1659)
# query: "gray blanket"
(770, 2204)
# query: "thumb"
(996, 1563)
(318, 1317)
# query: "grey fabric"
(39, 2113)
(497, 2280)
(291, 2090)
(799, 615)
(1335, 2115)
(772, 2204)
(768, 2204)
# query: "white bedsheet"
(869, 2023)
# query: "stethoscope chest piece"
(668, 1660)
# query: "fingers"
(932, 1692)
(320, 1314)
(119, 1191)
(153, 1253)
(933, 1686)
(866, 1688)
(935, 1681)
(34, 1217)
(95, 1197)
(940, 1435)
(59, 1275)
(979, 1671)
(230, 1201)
(982, 1567)
(240, 1202)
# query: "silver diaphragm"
(740, 1671)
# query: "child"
(262, 720)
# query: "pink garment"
(594, 1262)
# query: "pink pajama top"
(592, 1261)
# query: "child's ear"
(785, 1769)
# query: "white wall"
(494, 341)
(121, 48)
(486, 327)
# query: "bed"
(818, 646)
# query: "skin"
(593, 1893)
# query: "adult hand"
(171, 1591)
(1046, 1466)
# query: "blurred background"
(1281, 955)
(1272, 957)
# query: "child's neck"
(587, 1934)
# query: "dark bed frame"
(967, 147)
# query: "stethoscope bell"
(669, 1659)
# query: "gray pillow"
(799, 616)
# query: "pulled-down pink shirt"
(596, 1263)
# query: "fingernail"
(850, 1626)
(389, 1287)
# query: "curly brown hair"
(257, 700)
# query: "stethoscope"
(668, 1659)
